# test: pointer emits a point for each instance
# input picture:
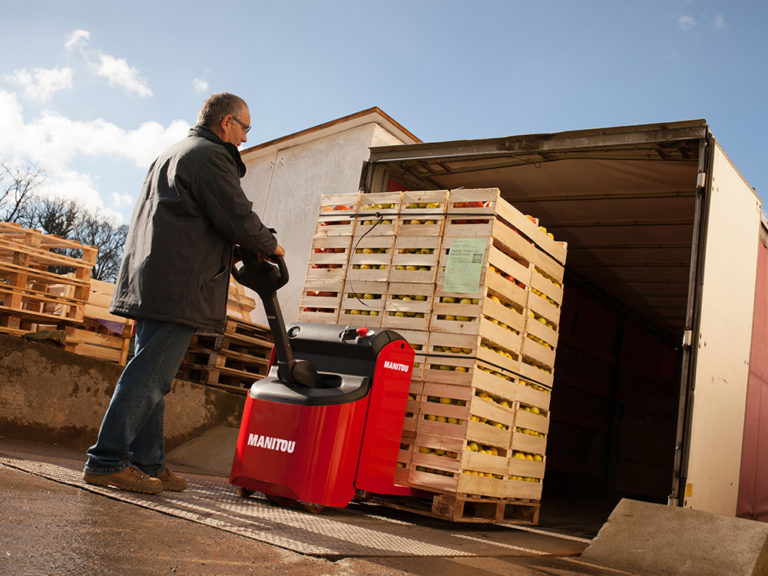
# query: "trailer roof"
(624, 198)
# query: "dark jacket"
(178, 253)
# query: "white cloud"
(54, 142)
(120, 73)
(77, 38)
(686, 22)
(200, 85)
(122, 200)
(72, 186)
(42, 83)
(718, 22)
(116, 70)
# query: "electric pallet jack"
(325, 424)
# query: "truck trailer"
(660, 375)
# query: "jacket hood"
(208, 134)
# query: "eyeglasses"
(246, 127)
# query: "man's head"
(227, 116)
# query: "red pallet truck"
(325, 424)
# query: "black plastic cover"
(351, 388)
(338, 349)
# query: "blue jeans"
(131, 433)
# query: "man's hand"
(279, 251)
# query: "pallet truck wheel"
(279, 500)
(244, 492)
(313, 508)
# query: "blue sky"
(93, 90)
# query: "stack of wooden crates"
(477, 420)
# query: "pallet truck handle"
(265, 276)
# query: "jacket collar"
(208, 134)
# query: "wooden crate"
(328, 258)
(459, 350)
(497, 259)
(102, 334)
(418, 341)
(466, 412)
(413, 406)
(321, 301)
(422, 213)
(377, 214)
(415, 259)
(527, 461)
(370, 258)
(239, 304)
(467, 209)
(107, 347)
(404, 455)
(408, 306)
(458, 465)
(531, 429)
(336, 215)
(547, 277)
(362, 303)
(531, 228)
(488, 313)
(525, 477)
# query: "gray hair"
(217, 106)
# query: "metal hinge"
(701, 179)
(687, 338)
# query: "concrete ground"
(54, 528)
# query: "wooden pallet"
(224, 375)
(465, 508)
(33, 286)
(233, 360)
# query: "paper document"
(465, 265)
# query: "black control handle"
(265, 277)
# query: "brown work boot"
(171, 481)
(131, 480)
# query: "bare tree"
(17, 184)
(70, 220)
(57, 216)
(109, 237)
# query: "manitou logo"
(396, 366)
(276, 444)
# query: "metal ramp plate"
(360, 530)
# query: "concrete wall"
(285, 181)
(52, 395)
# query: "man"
(174, 279)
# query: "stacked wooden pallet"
(101, 334)
(39, 283)
(476, 287)
(235, 359)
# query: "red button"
(362, 332)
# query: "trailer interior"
(629, 202)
